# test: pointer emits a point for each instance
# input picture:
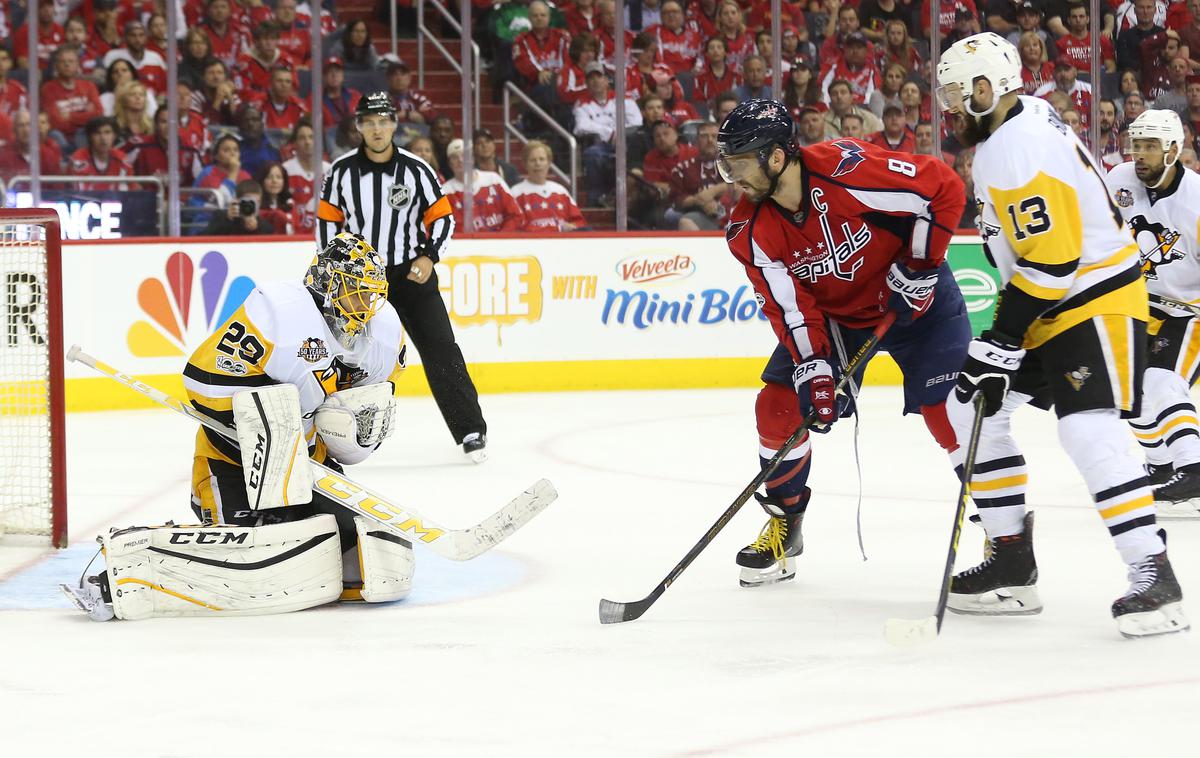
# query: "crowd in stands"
(850, 69)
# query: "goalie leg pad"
(223, 570)
(274, 452)
(385, 561)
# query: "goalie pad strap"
(386, 562)
(224, 570)
(274, 452)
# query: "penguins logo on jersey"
(313, 350)
(399, 196)
(339, 376)
(1124, 198)
(1077, 377)
(1163, 251)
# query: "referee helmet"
(376, 104)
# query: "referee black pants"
(426, 322)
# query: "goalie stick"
(612, 612)
(455, 544)
(903, 632)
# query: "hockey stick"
(455, 544)
(1171, 302)
(612, 612)
(903, 632)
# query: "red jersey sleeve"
(514, 217)
(791, 309)
(916, 188)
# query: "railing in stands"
(511, 130)
(424, 34)
(159, 193)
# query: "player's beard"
(757, 192)
(971, 130)
(1152, 175)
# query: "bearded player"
(832, 236)
(1069, 332)
(300, 370)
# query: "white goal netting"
(26, 470)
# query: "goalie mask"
(349, 280)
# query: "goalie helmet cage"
(33, 497)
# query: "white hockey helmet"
(1159, 124)
(985, 55)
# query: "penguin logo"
(1124, 198)
(1077, 377)
(1157, 244)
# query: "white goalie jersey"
(1049, 224)
(1166, 225)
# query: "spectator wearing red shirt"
(546, 204)
(700, 198)
(791, 14)
(895, 134)
(104, 35)
(897, 47)
(679, 45)
(715, 75)
(540, 53)
(339, 101)
(193, 127)
(840, 26)
(14, 154)
(581, 17)
(412, 105)
(1157, 52)
(50, 37)
(493, 207)
(1065, 81)
(948, 13)
(648, 201)
(156, 34)
(148, 156)
(702, 16)
(151, 68)
(606, 33)
(281, 108)
(1035, 69)
(253, 70)
(572, 83)
(71, 102)
(739, 43)
(643, 65)
(249, 13)
(13, 96)
(225, 36)
(277, 206)
(100, 158)
(678, 110)
(853, 67)
(1076, 47)
(295, 39)
(77, 37)
(300, 175)
(219, 95)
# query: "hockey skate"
(769, 559)
(1179, 497)
(474, 446)
(1005, 584)
(1153, 604)
(1159, 473)
(91, 597)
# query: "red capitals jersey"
(547, 206)
(283, 116)
(678, 50)
(494, 209)
(296, 42)
(708, 85)
(578, 24)
(531, 55)
(13, 97)
(1032, 81)
(863, 207)
(1078, 52)
(82, 163)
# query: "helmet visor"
(950, 96)
(734, 167)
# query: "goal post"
(33, 493)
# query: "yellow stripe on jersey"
(1042, 223)
(1129, 300)
(232, 359)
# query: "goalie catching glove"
(355, 421)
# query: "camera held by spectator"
(241, 217)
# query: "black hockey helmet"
(376, 104)
(755, 126)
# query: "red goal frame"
(48, 219)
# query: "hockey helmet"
(349, 280)
(987, 56)
(1159, 124)
(755, 126)
(375, 104)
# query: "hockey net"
(32, 444)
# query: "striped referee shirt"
(397, 206)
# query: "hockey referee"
(393, 198)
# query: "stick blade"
(471, 543)
(910, 632)
(612, 612)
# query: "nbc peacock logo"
(168, 304)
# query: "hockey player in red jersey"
(832, 236)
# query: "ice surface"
(505, 656)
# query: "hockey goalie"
(299, 370)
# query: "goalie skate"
(89, 598)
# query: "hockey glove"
(912, 291)
(815, 384)
(992, 362)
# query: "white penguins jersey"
(1049, 225)
(279, 336)
(1166, 225)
